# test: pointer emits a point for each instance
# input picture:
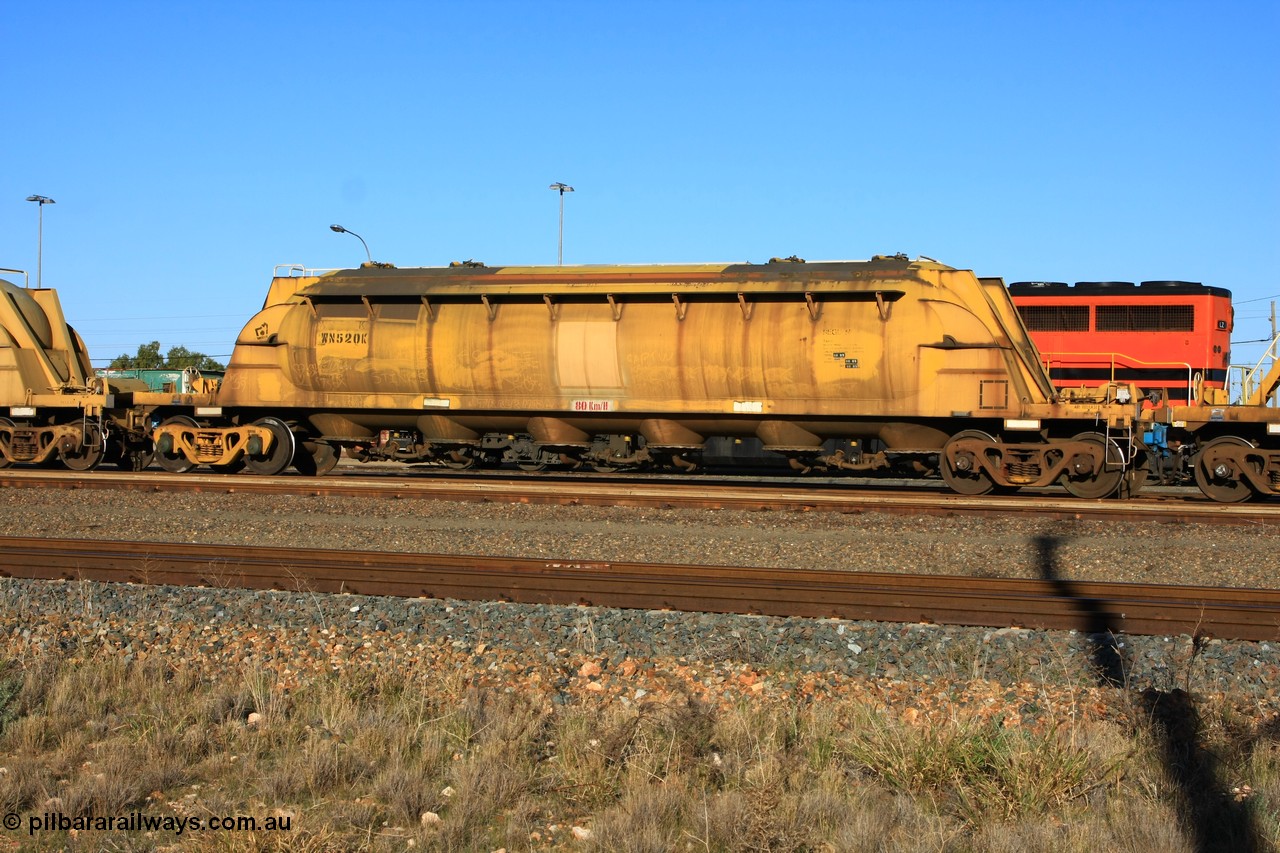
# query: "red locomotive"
(1171, 338)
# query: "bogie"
(1221, 468)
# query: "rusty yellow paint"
(39, 352)
(839, 348)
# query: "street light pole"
(42, 201)
(563, 188)
(339, 229)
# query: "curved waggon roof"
(778, 276)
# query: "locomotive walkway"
(1090, 607)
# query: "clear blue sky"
(190, 147)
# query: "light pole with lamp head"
(42, 201)
(563, 188)
(340, 230)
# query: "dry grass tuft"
(421, 757)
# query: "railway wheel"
(1218, 479)
(280, 456)
(173, 460)
(89, 453)
(315, 458)
(6, 434)
(963, 473)
(1085, 482)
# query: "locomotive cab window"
(1146, 318)
(1055, 318)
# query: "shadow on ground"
(1213, 821)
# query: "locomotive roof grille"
(1085, 289)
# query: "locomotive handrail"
(26, 277)
(1110, 357)
(296, 271)
(1255, 391)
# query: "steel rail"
(684, 494)
(1091, 607)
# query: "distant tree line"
(149, 358)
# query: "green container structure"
(169, 380)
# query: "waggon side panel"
(878, 339)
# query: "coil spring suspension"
(208, 445)
(25, 445)
(1016, 472)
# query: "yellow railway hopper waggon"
(881, 365)
(57, 410)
